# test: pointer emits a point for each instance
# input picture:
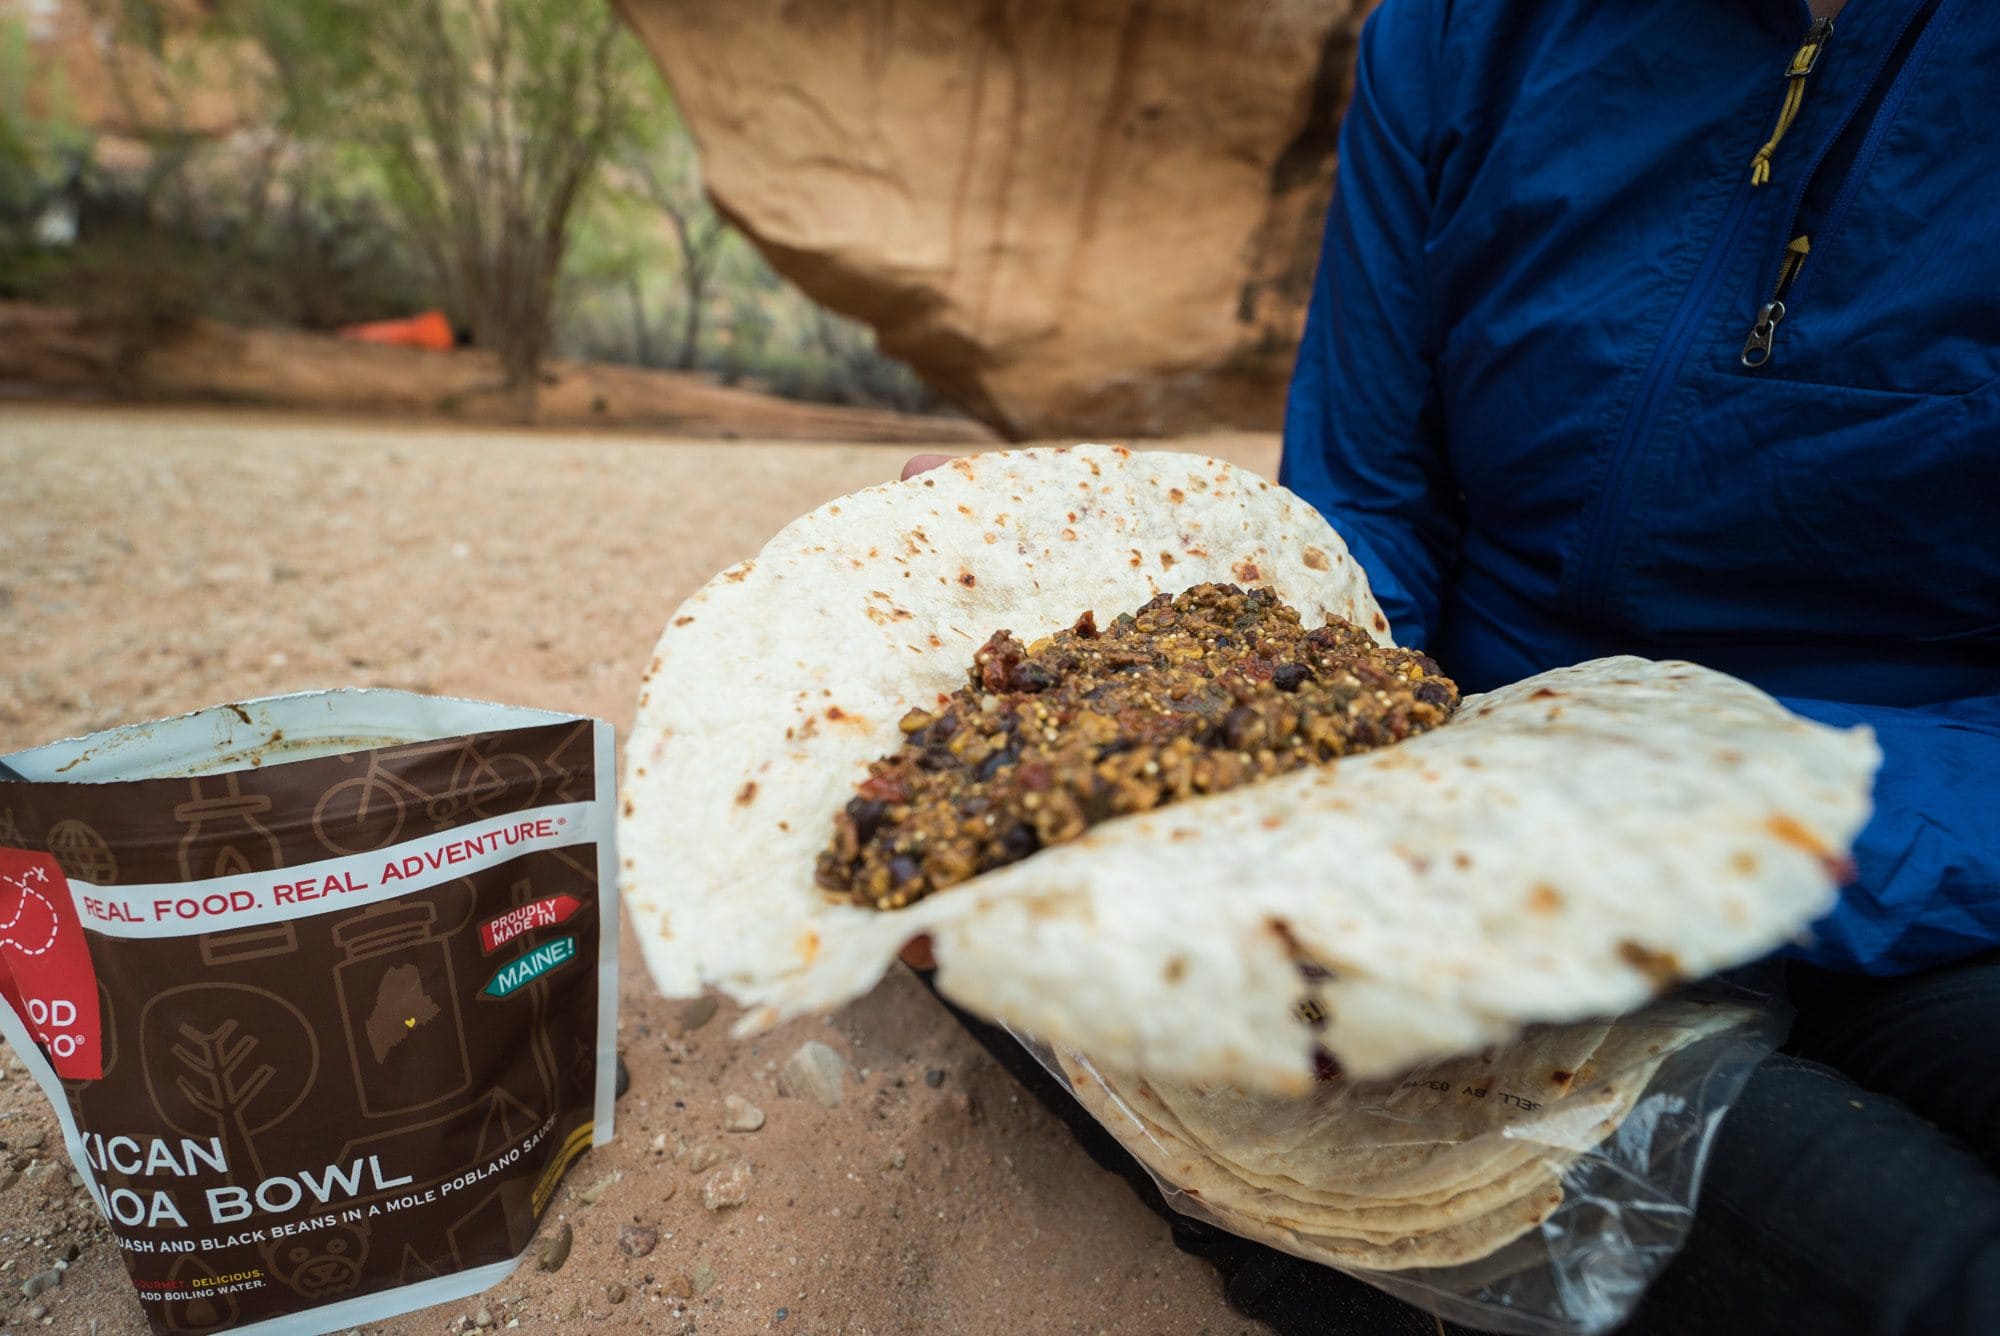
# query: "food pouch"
(322, 988)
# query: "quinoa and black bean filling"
(1193, 694)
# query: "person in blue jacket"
(1672, 327)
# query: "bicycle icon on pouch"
(349, 817)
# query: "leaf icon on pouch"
(227, 1060)
(401, 1005)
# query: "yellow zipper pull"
(1802, 64)
(1795, 260)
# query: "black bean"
(1020, 840)
(1098, 804)
(1433, 693)
(1240, 726)
(866, 816)
(936, 756)
(903, 868)
(1290, 676)
(991, 765)
(1030, 677)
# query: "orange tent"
(428, 330)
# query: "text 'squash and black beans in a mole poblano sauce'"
(1195, 693)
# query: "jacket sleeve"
(1927, 883)
(1363, 441)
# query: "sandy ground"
(153, 562)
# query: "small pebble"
(37, 1138)
(783, 1313)
(591, 1195)
(896, 1160)
(726, 1187)
(678, 1284)
(40, 1283)
(704, 1278)
(637, 1240)
(38, 1312)
(614, 1293)
(814, 1072)
(934, 1077)
(555, 1248)
(705, 1157)
(483, 1318)
(740, 1115)
(698, 1013)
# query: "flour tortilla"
(1554, 853)
(1351, 1192)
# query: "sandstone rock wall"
(1073, 218)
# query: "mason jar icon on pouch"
(398, 1002)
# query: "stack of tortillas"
(1444, 1166)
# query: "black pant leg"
(1932, 1040)
(1829, 1209)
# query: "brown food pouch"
(323, 989)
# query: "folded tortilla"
(1565, 848)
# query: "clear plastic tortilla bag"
(1536, 1188)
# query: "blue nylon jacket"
(1522, 399)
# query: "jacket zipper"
(1757, 347)
(1757, 344)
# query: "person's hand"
(923, 464)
